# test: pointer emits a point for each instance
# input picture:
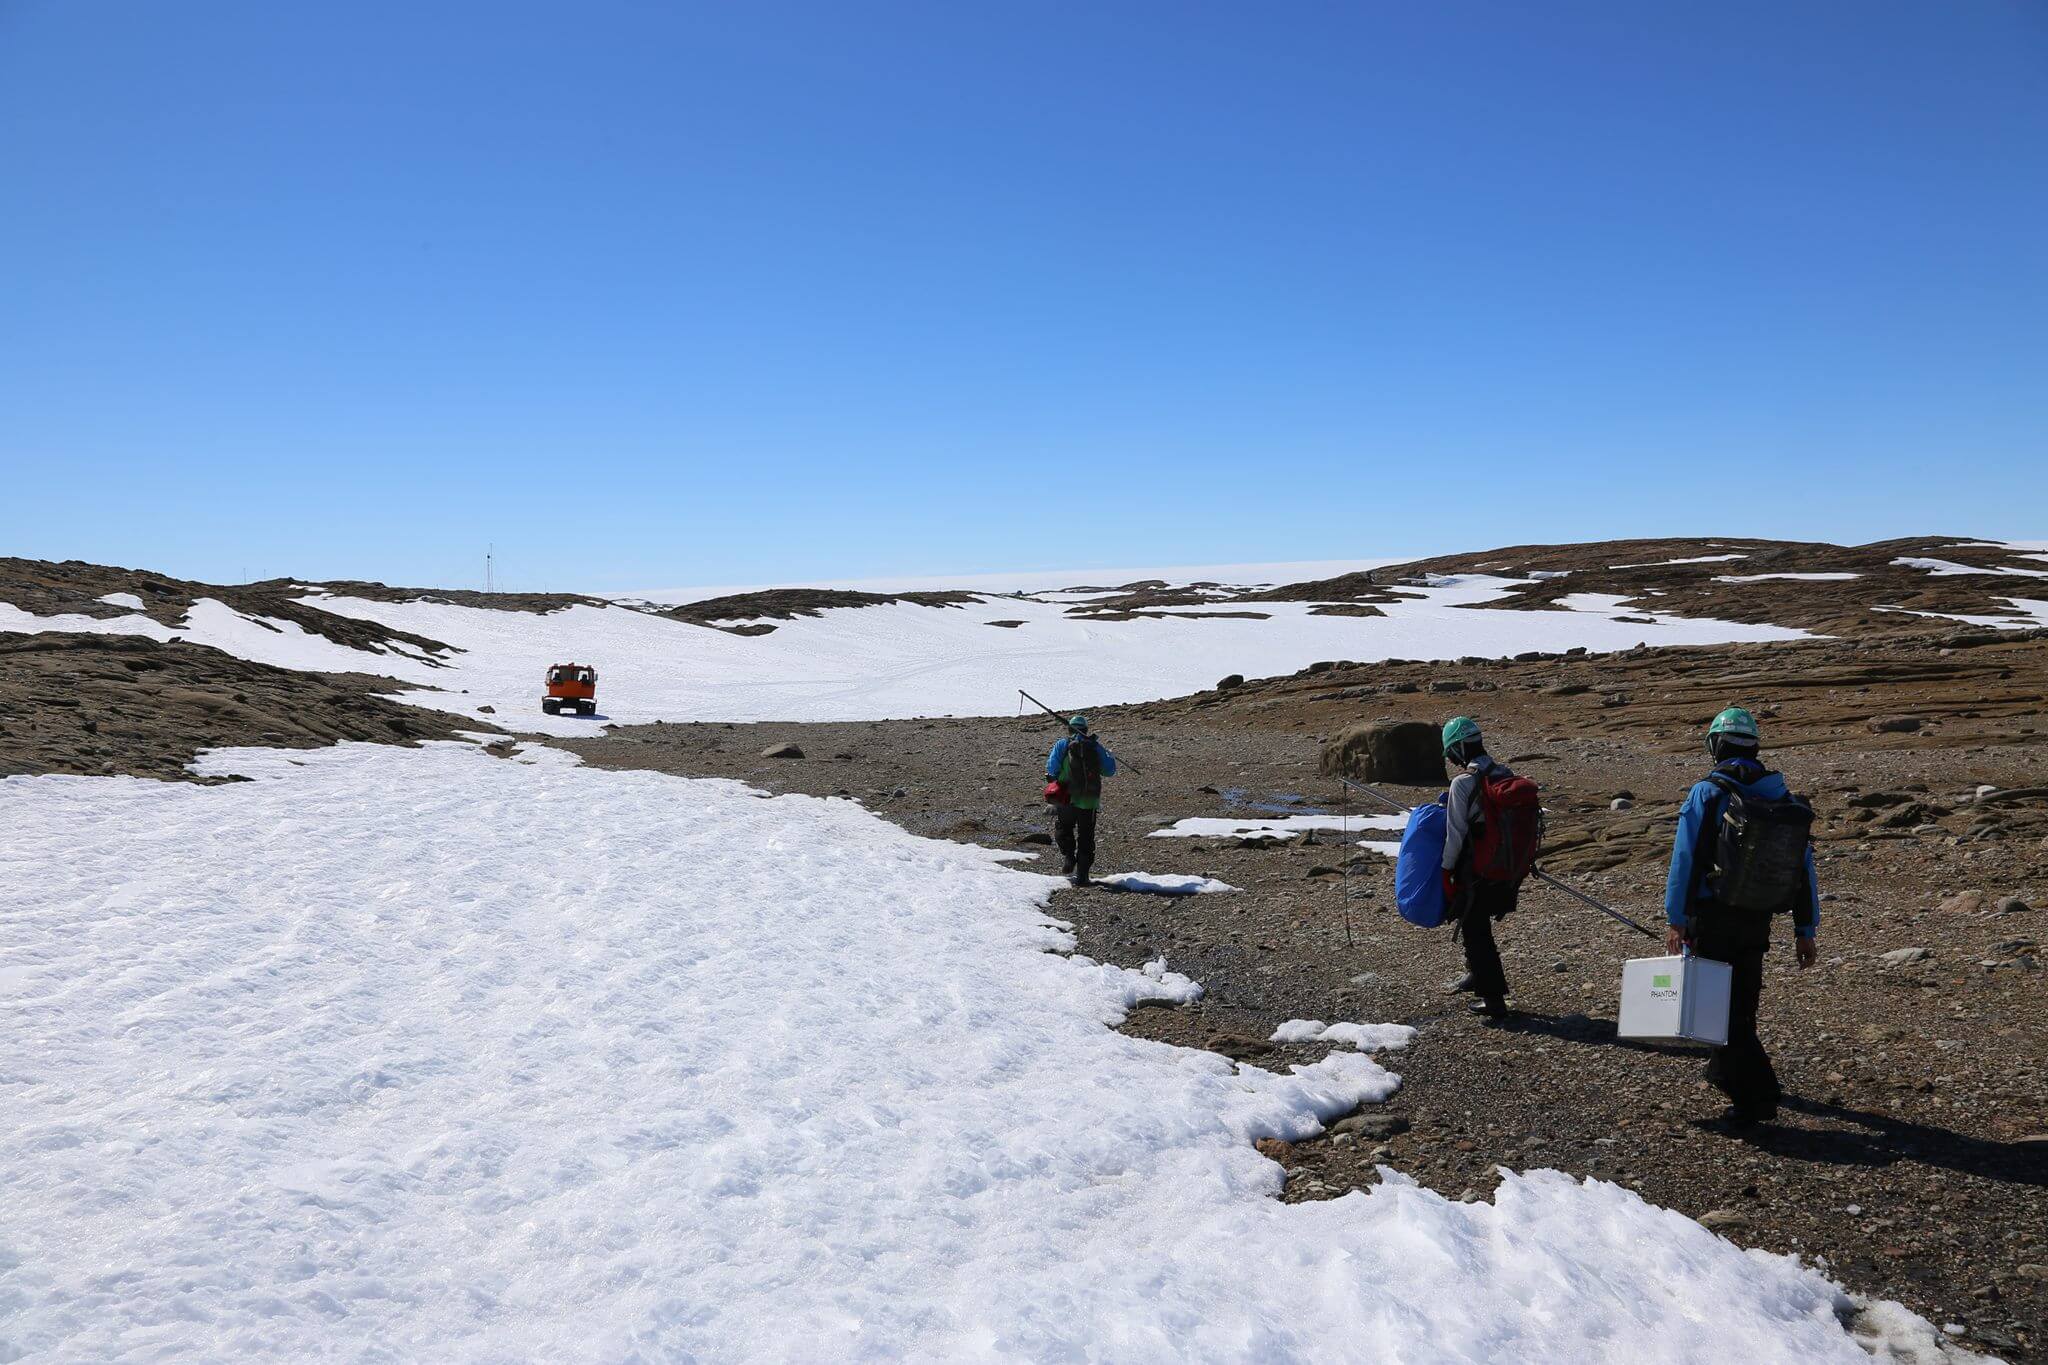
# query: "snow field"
(422, 1053)
(884, 662)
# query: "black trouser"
(1478, 903)
(1073, 829)
(1742, 1070)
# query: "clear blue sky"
(671, 293)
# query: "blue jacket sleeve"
(1052, 763)
(1678, 883)
(1108, 759)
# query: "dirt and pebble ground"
(102, 704)
(1912, 1158)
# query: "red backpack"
(1510, 830)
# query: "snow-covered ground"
(427, 1054)
(883, 662)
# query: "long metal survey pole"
(1543, 877)
(1579, 895)
(1130, 768)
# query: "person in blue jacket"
(1742, 1070)
(1078, 763)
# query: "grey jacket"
(1462, 818)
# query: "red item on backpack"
(1510, 829)
(1055, 793)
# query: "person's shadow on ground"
(1855, 1137)
(1861, 1138)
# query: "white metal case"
(1675, 999)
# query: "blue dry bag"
(1418, 871)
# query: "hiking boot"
(1078, 879)
(1463, 983)
(1067, 868)
(1489, 1007)
(1740, 1118)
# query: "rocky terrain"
(103, 704)
(1912, 1158)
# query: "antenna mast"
(489, 550)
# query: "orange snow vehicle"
(572, 687)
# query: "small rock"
(1237, 1046)
(481, 710)
(1373, 1127)
(2030, 1271)
(1621, 803)
(1718, 1220)
(1274, 1148)
(1902, 957)
(1896, 725)
(1624, 795)
(1234, 680)
(1963, 903)
(784, 750)
(2012, 905)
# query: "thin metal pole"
(1131, 768)
(1579, 895)
(1543, 877)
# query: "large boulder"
(1404, 752)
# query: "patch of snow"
(573, 1064)
(2034, 610)
(122, 599)
(1694, 559)
(1364, 1037)
(1163, 883)
(1793, 577)
(1279, 827)
(1942, 568)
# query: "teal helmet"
(1735, 723)
(1078, 724)
(1460, 730)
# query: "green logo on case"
(1659, 982)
